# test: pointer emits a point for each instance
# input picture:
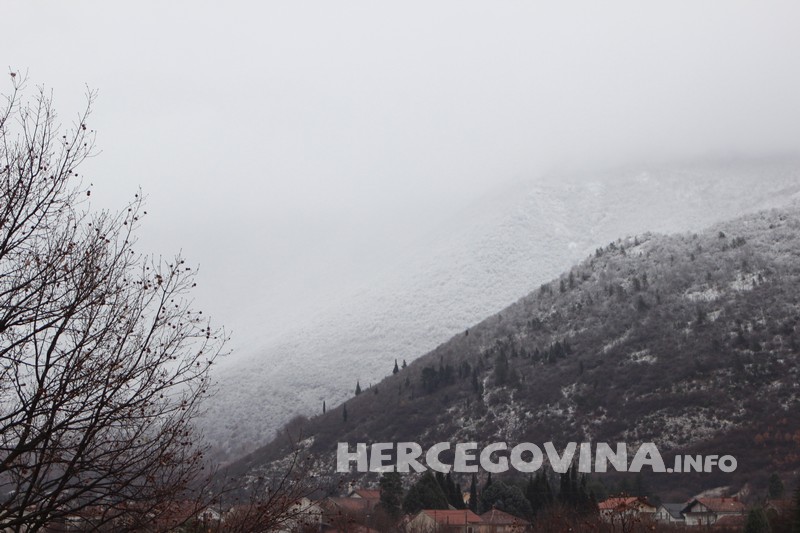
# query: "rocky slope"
(691, 341)
(468, 269)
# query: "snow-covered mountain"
(479, 262)
(688, 341)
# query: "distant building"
(373, 495)
(615, 509)
(670, 513)
(496, 521)
(439, 521)
(707, 511)
(355, 510)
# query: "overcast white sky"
(289, 147)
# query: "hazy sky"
(291, 148)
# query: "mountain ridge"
(687, 340)
(525, 235)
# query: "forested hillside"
(465, 269)
(689, 341)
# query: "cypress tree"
(473, 494)
(508, 498)
(344, 413)
(538, 492)
(501, 370)
(358, 388)
(323, 407)
(442, 483)
(453, 492)
(396, 368)
(776, 490)
(391, 494)
(757, 521)
(424, 494)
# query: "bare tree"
(277, 496)
(102, 359)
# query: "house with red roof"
(626, 508)
(497, 521)
(357, 508)
(446, 521)
(373, 495)
(707, 511)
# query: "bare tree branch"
(103, 361)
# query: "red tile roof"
(353, 505)
(497, 517)
(721, 505)
(367, 494)
(622, 504)
(453, 518)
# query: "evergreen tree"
(507, 498)
(584, 503)
(513, 378)
(776, 489)
(442, 483)
(391, 494)
(424, 494)
(573, 491)
(323, 407)
(404, 364)
(430, 379)
(568, 487)
(473, 494)
(358, 388)
(344, 413)
(453, 492)
(501, 370)
(538, 492)
(530, 490)
(757, 521)
(396, 368)
(488, 482)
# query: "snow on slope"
(484, 259)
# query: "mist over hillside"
(479, 262)
(690, 341)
